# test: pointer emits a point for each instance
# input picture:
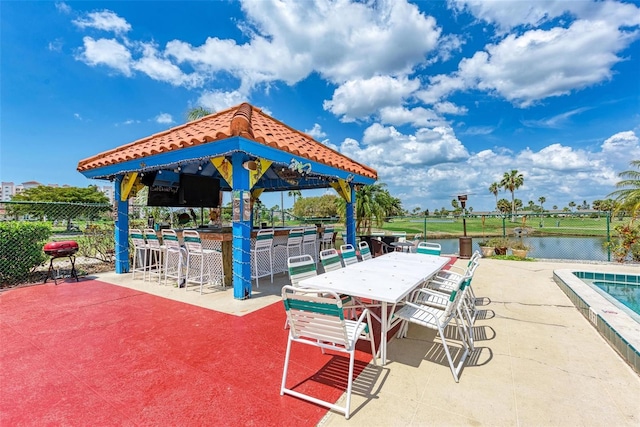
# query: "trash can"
(465, 247)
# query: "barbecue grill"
(55, 250)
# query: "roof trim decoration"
(243, 120)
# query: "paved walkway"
(538, 360)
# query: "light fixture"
(199, 167)
(250, 165)
(179, 168)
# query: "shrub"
(519, 244)
(98, 242)
(627, 242)
(21, 249)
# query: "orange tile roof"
(242, 120)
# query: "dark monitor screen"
(197, 191)
(163, 188)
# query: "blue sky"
(440, 97)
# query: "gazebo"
(248, 153)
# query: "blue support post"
(351, 218)
(121, 230)
(241, 232)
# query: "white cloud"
(360, 98)
(508, 15)
(220, 100)
(556, 157)
(63, 7)
(346, 40)
(56, 45)
(77, 116)
(440, 86)
(625, 141)
(316, 132)
(385, 147)
(541, 64)
(450, 108)
(164, 118)
(162, 69)
(340, 40)
(105, 20)
(107, 52)
(418, 117)
(556, 121)
(528, 67)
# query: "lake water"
(551, 247)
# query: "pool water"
(625, 288)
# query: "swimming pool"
(625, 288)
(608, 305)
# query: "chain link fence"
(559, 236)
(556, 236)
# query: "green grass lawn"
(496, 226)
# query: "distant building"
(9, 189)
(108, 191)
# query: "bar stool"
(140, 252)
(309, 239)
(262, 256)
(209, 258)
(174, 256)
(154, 264)
(294, 243)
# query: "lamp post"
(465, 242)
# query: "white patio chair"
(400, 235)
(262, 256)
(448, 281)
(365, 252)
(429, 248)
(155, 250)
(417, 238)
(309, 242)
(348, 254)
(140, 253)
(330, 259)
(430, 316)
(174, 257)
(319, 321)
(209, 260)
(301, 267)
(326, 241)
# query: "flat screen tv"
(197, 191)
(164, 188)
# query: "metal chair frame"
(316, 318)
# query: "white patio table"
(387, 279)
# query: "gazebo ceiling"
(243, 121)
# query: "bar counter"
(221, 239)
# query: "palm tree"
(512, 181)
(294, 193)
(495, 189)
(503, 205)
(572, 205)
(197, 112)
(372, 203)
(542, 199)
(628, 193)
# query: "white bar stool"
(210, 259)
(262, 256)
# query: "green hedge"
(21, 249)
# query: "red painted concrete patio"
(92, 353)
